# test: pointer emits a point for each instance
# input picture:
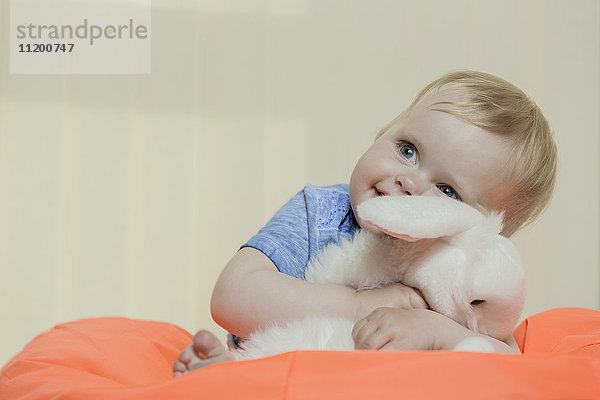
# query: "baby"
(468, 135)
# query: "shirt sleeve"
(285, 239)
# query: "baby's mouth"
(379, 194)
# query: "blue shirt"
(313, 218)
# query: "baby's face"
(433, 153)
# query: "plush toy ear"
(419, 217)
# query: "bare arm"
(251, 293)
(451, 333)
(396, 329)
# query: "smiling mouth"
(378, 193)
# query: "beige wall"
(125, 195)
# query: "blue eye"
(448, 191)
(409, 152)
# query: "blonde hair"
(493, 104)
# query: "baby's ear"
(418, 217)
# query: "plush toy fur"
(448, 250)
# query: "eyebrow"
(412, 136)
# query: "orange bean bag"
(119, 358)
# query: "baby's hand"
(397, 329)
(396, 295)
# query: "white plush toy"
(448, 250)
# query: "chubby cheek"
(356, 189)
(362, 181)
(371, 168)
(356, 199)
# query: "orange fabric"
(118, 358)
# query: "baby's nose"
(408, 186)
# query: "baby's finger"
(367, 336)
(417, 300)
(374, 341)
(396, 345)
(358, 326)
(362, 335)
